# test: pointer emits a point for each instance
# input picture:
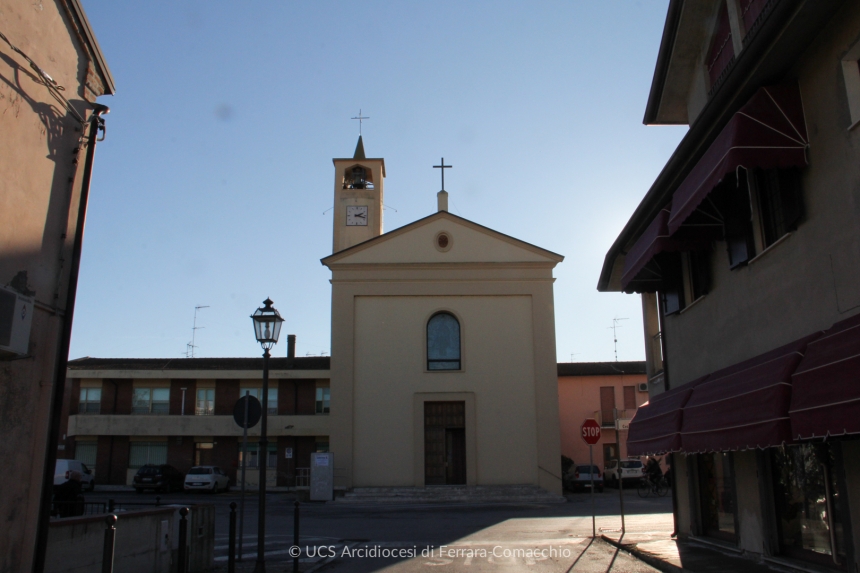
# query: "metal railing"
(608, 420)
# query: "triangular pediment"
(418, 243)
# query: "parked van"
(67, 470)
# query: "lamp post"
(267, 327)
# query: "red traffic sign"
(591, 431)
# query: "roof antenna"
(189, 348)
(615, 325)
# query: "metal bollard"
(296, 536)
(110, 540)
(231, 544)
(182, 556)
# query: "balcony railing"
(89, 407)
(608, 420)
(158, 408)
(205, 411)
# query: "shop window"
(808, 503)
(443, 342)
(205, 402)
(90, 402)
(717, 495)
(258, 394)
(142, 453)
(150, 401)
(323, 400)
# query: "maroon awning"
(825, 399)
(768, 132)
(656, 427)
(744, 406)
(654, 240)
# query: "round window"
(443, 241)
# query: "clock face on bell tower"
(358, 199)
(356, 215)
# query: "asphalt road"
(450, 537)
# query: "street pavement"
(448, 537)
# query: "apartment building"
(746, 253)
(124, 413)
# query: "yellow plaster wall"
(498, 367)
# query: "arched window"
(443, 342)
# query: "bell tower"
(358, 185)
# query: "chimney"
(291, 346)
(442, 200)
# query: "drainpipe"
(97, 124)
(182, 411)
(110, 452)
(666, 386)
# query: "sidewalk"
(674, 556)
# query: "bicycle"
(648, 487)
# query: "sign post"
(620, 469)
(591, 434)
(246, 414)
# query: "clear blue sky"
(211, 185)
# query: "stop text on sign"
(590, 431)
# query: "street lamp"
(267, 327)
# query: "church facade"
(443, 365)
(443, 369)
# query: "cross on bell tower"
(442, 196)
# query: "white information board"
(322, 477)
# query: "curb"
(655, 562)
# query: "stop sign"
(591, 431)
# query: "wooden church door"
(444, 443)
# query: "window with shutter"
(672, 293)
(780, 204)
(607, 405)
(630, 397)
(737, 219)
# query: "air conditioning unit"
(643, 386)
(16, 316)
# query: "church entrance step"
(451, 494)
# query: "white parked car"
(631, 471)
(207, 478)
(73, 470)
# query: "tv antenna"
(615, 325)
(189, 348)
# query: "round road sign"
(591, 431)
(255, 411)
